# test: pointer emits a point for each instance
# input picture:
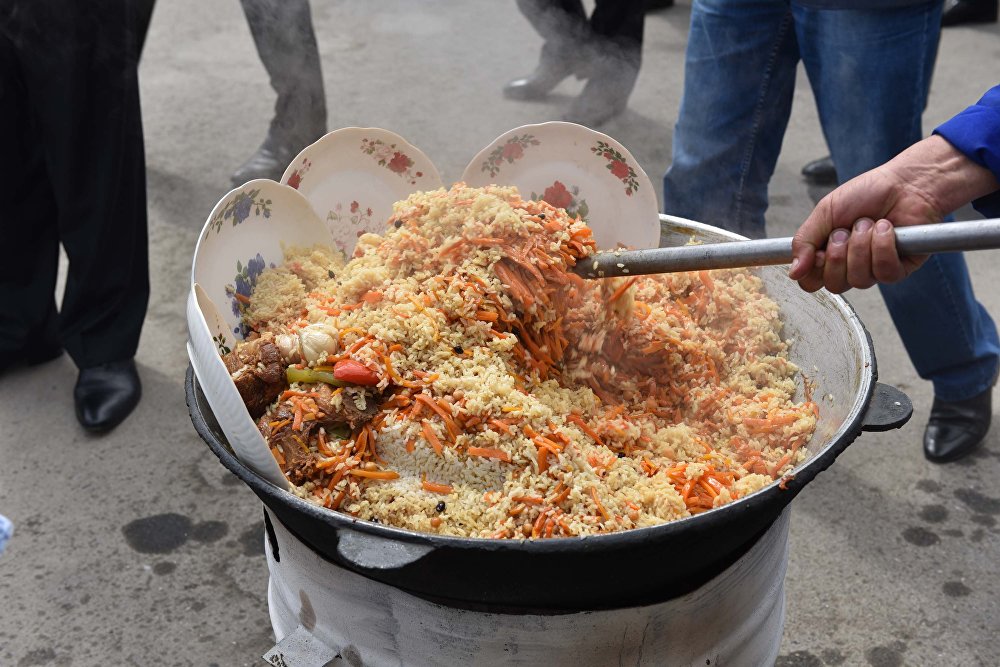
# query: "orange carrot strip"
(597, 501)
(499, 425)
(578, 420)
(559, 497)
(489, 453)
(288, 393)
(436, 488)
(622, 289)
(375, 474)
(432, 438)
(278, 456)
(449, 423)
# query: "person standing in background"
(605, 49)
(869, 63)
(73, 173)
(286, 43)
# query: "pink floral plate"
(354, 175)
(573, 167)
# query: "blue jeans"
(870, 72)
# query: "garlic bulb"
(316, 341)
(288, 345)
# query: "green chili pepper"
(310, 375)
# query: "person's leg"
(286, 43)
(870, 71)
(739, 78)
(79, 63)
(616, 44)
(28, 317)
(563, 25)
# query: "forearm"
(942, 175)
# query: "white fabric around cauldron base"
(735, 619)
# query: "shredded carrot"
(375, 474)
(490, 453)
(597, 501)
(530, 500)
(486, 316)
(543, 459)
(278, 456)
(622, 289)
(288, 393)
(449, 422)
(436, 488)
(432, 438)
(559, 497)
(578, 420)
(499, 425)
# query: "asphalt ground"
(138, 548)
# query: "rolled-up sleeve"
(976, 133)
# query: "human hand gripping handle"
(848, 240)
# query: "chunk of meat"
(258, 371)
(347, 412)
(276, 427)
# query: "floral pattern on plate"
(221, 343)
(239, 208)
(387, 156)
(618, 165)
(509, 152)
(572, 166)
(240, 293)
(567, 199)
(295, 179)
(355, 215)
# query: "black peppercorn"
(331, 274)
(440, 506)
(398, 224)
(541, 215)
(458, 349)
(621, 455)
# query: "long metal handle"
(917, 240)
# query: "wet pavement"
(138, 548)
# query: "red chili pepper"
(353, 372)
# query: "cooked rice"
(616, 404)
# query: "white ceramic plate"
(243, 235)
(354, 175)
(573, 167)
(207, 340)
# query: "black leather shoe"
(820, 172)
(105, 395)
(549, 73)
(956, 428)
(269, 161)
(970, 11)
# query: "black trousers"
(72, 171)
(286, 43)
(613, 31)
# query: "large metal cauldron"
(627, 569)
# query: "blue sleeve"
(976, 133)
